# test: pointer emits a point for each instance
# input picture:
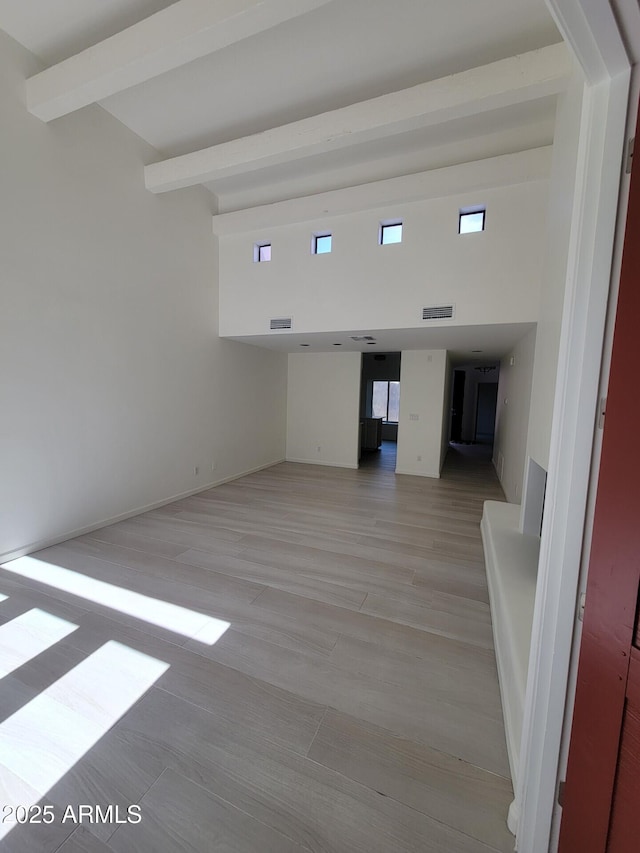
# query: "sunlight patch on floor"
(173, 617)
(29, 634)
(43, 740)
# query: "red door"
(601, 812)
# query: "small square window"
(321, 244)
(262, 252)
(471, 221)
(390, 233)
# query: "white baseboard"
(412, 473)
(321, 462)
(48, 541)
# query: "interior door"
(601, 812)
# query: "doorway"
(474, 398)
(379, 409)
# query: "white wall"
(491, 277)
(323, 400)
(561, 198)
(112, 380)
(423, 375)
(512, 416)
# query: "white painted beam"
(504, 170)
(186, 30)
(529, 76)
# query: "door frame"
(591, 32)
(610, 615)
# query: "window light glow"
(29, 634)
(390, 233)
(3, 597)
(189, 623)
(471, 221)
(386, 401)
(322, 244)
(45, 738)
(261, 252)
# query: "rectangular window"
(321, 244)
(471, 221)
(390, 233)
(386, 401)
(261, 252)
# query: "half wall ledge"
(511, 559)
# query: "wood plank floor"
(351, 706)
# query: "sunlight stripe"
(29, 634)
(173, 617)
(42, 741)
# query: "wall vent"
(437, 312)
(358, 338)
(280, 323)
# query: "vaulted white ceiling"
(265, 65)
(265, 101)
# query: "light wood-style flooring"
(351, 706)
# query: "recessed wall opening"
(321, 244)
(535, 486)
(471, 220)
(261, 252)
(390, 232)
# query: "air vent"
(280, 323)
(437, 312)
(362, 338)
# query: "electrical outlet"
(319, 448)
(213, 466)
(419, 458)
(196, 471)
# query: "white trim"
(49, 541)
(590, 29)
(316, 462)
(584, 315)
(408, 473)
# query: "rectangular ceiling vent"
(362, 338)
(437, 312)
(279, 323)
